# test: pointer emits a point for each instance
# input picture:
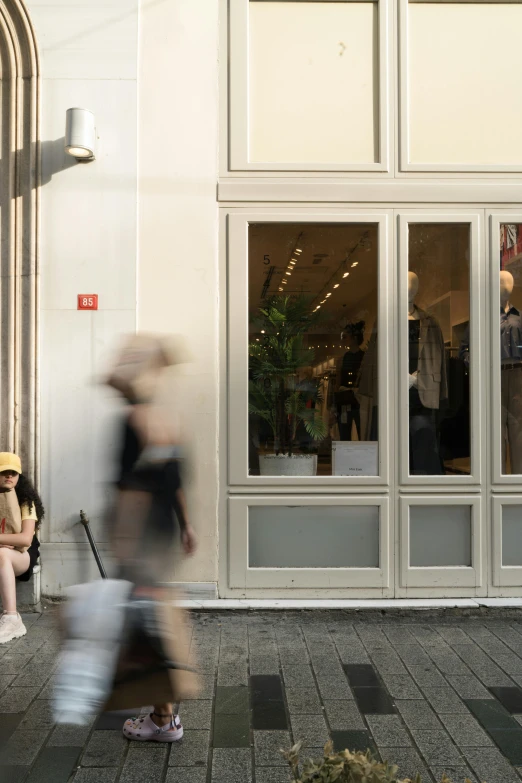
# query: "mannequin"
(510, 376)
(427, 381)
(347, 405)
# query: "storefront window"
(439, 349)
(313, 345)
(511, 346)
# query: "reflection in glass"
(512, 536)
(438, 349)
(511, 347)
(313, 349)
(313, 537)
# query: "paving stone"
(412, 655)
(452, 635)
(407, 759)
(445, 700)
(333, 687)
(268, 746)
(269, 775)
(41, 713)
(491, 714)
(191, 751)
(466, 731)
(105, 749)
(232, 765)
(14, 664)
(75, 736)
(374, 701)
(232, 700)
(437, 747)
(17, 699)
(353, 654)
(310, 729)
(510, 698)
(388, 663)
(388, 730)
(418, 713)
(264, 665)
(54, 765)
(113, 721)
(298, 677)
(294, 657)
(195, 714)
(230, 674)
(427, 676)
(5, 680)
(401, 686)
(48, 691)
(449, 663)
(456, 774)
(207, 685)
(11, 774)
(144, 763)
(510, 743)
(302, 701)
(490, 765)
(231, 731)
(360, 741)
(95, 776)
(362, 675)
(187, 775)
(468, 687)
(23, 746)
(343, 715)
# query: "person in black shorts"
(21, 512)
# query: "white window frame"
(238, 111)
(444, 483)
(496, 218)
(503, 576)
(242, 577)
(238, 322)
(404, 106)
(447, 577)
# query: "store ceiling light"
(288, 273)
(80, 134)
(298, 250)
(292, 262)
(346, 274)
(336, 285)
(355, 263)
(327, 295)
(280, 288)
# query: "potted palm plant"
(277, 394)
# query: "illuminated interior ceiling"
(329, 251)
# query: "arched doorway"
(19, 195)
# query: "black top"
(162, 481)
(510, 335)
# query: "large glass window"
(463, 60)
(313, 348)
(313, 92)
(511, 346)
(439, 349)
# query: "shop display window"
(439, 354)
(510, 249)
(313, 349)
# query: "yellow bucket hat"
(10, 461)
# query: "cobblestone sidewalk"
(432, 694)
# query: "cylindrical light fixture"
(80, 134)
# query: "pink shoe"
(143, 729)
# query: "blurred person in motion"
(21, 512)
(152, 510)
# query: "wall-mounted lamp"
(80, 134)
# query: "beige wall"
(177, 245)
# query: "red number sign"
(87, 301)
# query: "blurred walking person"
(151, 511)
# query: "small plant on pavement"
(345, 767)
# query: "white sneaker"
(11, 627)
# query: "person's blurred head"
(140, 363)
(353, 335)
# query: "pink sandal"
(143, 729)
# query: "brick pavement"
(434, 694)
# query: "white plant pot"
(283, 465)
